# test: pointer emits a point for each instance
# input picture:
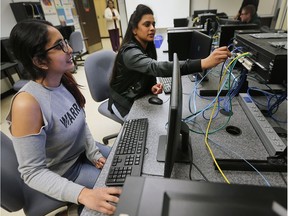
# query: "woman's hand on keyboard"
(100, 199)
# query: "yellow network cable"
(212, 114)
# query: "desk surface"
(247, 145)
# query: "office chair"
(76, 43)
(15, 194)
(98, 69)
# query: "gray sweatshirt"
(44, 157)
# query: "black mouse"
(155, 100)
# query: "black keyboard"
(129, 154)
(166, 81)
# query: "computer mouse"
(155, 100)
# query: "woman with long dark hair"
(56, 152)
(136, 66)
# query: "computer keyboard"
(129, 154)
(166, 81)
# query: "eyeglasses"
(62, 44)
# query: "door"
(89, 24)
(100, 6)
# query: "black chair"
(76, 43)
(15, 194)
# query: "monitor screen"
(180, 22)
(200, 47)
(173, 147)
(169, 197)
(228, 32)
(179, 41)
(197, 12)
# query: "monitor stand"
(182, 155)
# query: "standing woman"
(56, 152)
(112, 21)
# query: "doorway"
(89, 24)
(100, 6)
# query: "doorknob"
(84, 23)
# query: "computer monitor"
(200, 47)
(228, 32)
(173, 146)
(180, 22)
(179, 41)
(197, 12)
(143, 196)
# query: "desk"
(247, 144)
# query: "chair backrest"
(15, 194)
(76, 42)
(12, 197)
(98, 69)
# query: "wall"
(228, 6)
(231, 7)
(7, 18)
(164, 11)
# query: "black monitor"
(200, 47)
(180, 22)
(228, 32)
(173, 146)
(179, 41)
(169, 197)
(197, 12)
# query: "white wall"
(7, 18)
(161, 7)
(231, 7)
(164, 11)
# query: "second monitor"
(188, 44)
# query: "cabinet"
(27, 10)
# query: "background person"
(112, 22)
(245, 3)
(56, 152)
(248, 15)
(136, 66)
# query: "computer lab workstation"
(216, 144)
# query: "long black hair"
(135, 18)
(28, 39)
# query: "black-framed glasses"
(62, 44)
